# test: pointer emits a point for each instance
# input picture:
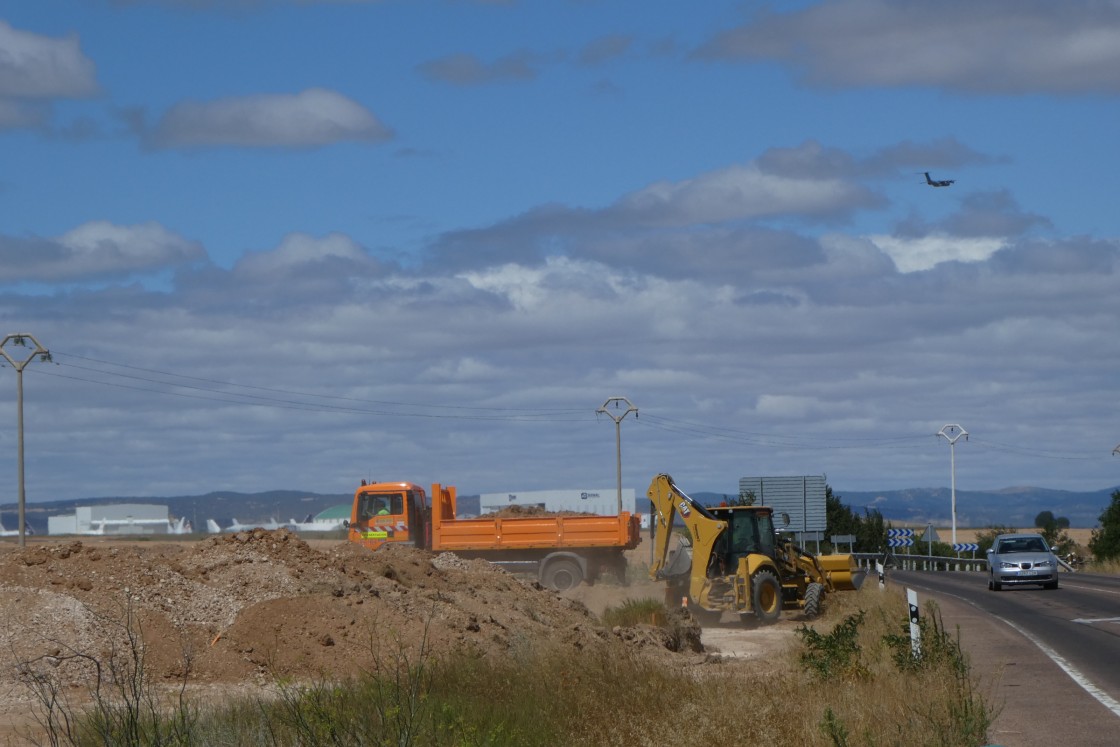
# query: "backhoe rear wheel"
(766, 596)
(813, 594)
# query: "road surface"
(1049, 659)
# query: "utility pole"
(618, 402)
(951, 433)
(43, 354)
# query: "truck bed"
(530, 532)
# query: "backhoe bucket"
(842, 571)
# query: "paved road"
(1049, 659)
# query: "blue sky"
(290, 243)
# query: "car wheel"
(995, 585)
(1051, 586)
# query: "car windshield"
(1022, 544)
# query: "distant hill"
(1015, 507)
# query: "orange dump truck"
(561, 551)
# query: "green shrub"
(835, 655)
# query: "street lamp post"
(618, 402)
(951, 433)
(41, 353)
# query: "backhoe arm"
(669, 501)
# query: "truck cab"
(389, 512)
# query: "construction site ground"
(238, 612)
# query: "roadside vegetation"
(1105, 544)
(850, 678)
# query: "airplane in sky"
(938, 182)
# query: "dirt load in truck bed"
(516, 512)
(247, 608)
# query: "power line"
(814, 442)
(217, 391)
(1007, 448)
(537, 410)
(318, 407)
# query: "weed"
(636, 612)
(938, 647)
(834, 729)
(126, 707)
(836, 654)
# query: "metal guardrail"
(867, 561)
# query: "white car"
(1016, 559)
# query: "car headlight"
(1045, 564)
(1005, 564)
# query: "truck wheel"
(766, 596)
(562, 575)
(813, 594)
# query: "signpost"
(930, 537)
(900, 537)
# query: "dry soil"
(238, 611)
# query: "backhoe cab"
(734, 560)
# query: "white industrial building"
(119, 518)
(603, 501)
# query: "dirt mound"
(256, 605)
(513, 512)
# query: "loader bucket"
(842, 571)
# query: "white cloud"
(912, 254)
(35, 66)
(299, 251)
(521, 286)
(96, 250)
(1000, 46)
(312, 118)
(737, 193)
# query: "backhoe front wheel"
(766, 596)
(813, 594)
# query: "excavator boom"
(668, 501)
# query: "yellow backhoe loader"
(733, 559)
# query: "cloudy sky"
(297, 243)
